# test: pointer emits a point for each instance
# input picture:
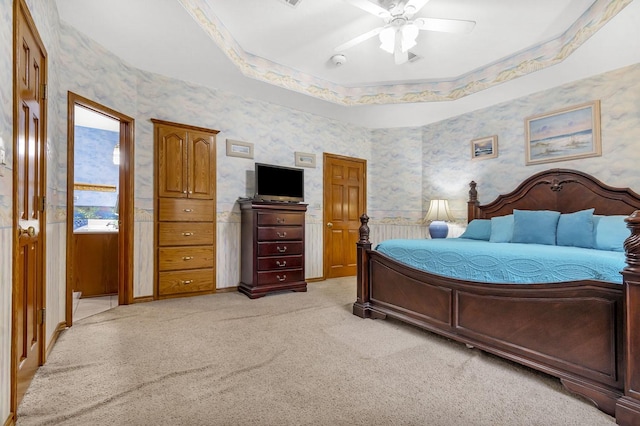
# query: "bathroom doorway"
(99, 208)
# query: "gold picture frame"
(566, 134)
(484, 148)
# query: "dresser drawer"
(176, 282)
(184, 210)
(276, 218)
(271, 233)
(185, 233)
(279, 262)
(280, 277)
(174, 258)
(280, 248)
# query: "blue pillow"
(501, 229)
(576, 229)
(478, 229)
(610, 232)
(535, 226)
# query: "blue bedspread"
(511, 263)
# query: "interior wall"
(6, 200)
(446, 167)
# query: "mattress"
(506, 263)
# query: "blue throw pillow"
(478, 229)
(576, 229)
(610, 232)
(535, 226)
(501, 229)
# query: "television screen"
(279, 183)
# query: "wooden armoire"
(185, 209)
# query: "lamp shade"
(438, 210)
(437, 214)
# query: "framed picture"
(304, 159)
(239, 149)
(484, 148)
(565, 134)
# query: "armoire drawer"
(175, 258)
(185, 210)
(185, 233)
(279, 248)
(274, 263)
(274, 233)
(191, 281)
(278, 218)
(276, 277)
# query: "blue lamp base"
(438, 229)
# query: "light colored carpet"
(284, 359)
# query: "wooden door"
(172, 161)
(201, 159)
(344, 201)
(29, 200)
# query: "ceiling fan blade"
(413, 6)
(372, 8)
(362, 37)
(445, 25)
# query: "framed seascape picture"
(484, 148)
(565, 134)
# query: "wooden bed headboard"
(562, 190)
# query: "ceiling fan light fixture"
(409, 34)
(388, 39)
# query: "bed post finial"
(364, 229)
(473, 193)
(472, 204)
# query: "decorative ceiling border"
(530, 60)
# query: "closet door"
(172, 162)
(200, 159)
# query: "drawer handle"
(281, 278)
(281, 250)
(283, 264)
(187, 257)
(279, 219)
(284, 234)
(187, 234)
(186, 282)
(188, 210)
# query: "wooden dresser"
(272, 247)
(185, 209)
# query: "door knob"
(329, 225)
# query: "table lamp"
(438, 212)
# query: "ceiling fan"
(401, 28)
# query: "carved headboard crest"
(556, 184)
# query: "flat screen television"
(279, 183)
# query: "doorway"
(345, 189)
(99, 208)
